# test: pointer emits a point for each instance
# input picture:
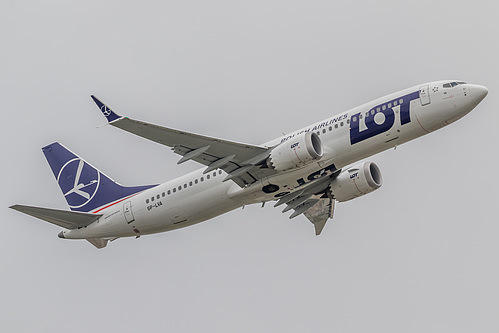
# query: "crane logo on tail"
(105, 110)
(79, 182)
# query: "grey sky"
(420, 254)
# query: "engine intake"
(296, 152)
(357, 181)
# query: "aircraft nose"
(478, 92)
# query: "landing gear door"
(127, 210)
(424, 95)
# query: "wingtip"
(319, 226)
(106, 111)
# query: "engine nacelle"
(358, 180)
(296, 152)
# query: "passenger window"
(207, 176)
(147, 201)
(215, 174)
(219, 172)
(202, 179)
(395, 103)
(324, 131)
(335, 125)
(348, 121)
(384, 107)
(354, 119)
(190, 183)
(401, 101)
(169, 192)
(157, 197)
(163, 194)
(341, 124)
(195, 181)
(389, 105)
(318, 133)
(330, 128)
(152, 198)
(180, 188)
(174, 190)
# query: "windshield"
(453, 84)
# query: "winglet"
(319, 226)
(106, 111)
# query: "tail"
(85, 188)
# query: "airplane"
(307, 171)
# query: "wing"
(243, 163)
(62, 218)
(319, 213)
(315, 201)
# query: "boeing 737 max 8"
(306, 171)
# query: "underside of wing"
(62, 218)
(315, 201)
(319, 213)
(242, 162)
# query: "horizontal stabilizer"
(62, 218)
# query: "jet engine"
(358, 180)
(296, 152)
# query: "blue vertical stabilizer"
(84, 187)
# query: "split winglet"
(106, 111)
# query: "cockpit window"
(453, 84)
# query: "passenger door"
(127, 211)
(424, 95)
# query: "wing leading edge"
(242, 162)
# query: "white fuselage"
(347, 138)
